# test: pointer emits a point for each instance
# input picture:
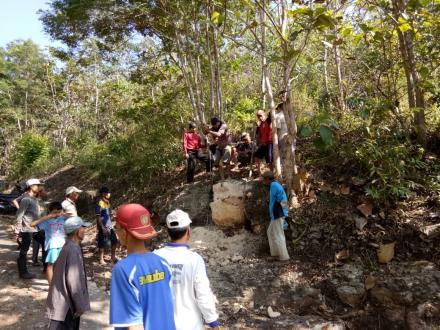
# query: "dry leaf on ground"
(345, 190)
(342, 255)
(366, 209)
(370, 282)
(386, 252)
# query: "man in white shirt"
(194, 301)
(282, 132)
(69, 204)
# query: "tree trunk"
(416, 98)
(275, 148)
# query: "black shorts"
(107, 241)
(264, 151)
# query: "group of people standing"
(164, 289)
(216, 149)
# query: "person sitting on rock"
(192, 149)
(194, 301)
(223, 151)
(245, 149)
(278, 211)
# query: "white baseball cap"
(178, 219)
(32, 182)
(72, 189)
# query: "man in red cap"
(140, 291)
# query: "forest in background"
(359, 80)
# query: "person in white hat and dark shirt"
(194, 302)
(69, 204)
(28, 211)
(68, 296)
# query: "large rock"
(228, 206)
(193, 199)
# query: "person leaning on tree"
(278, 211)
(194, 301)
(192, 150)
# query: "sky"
(19, 20)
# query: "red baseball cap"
(136, 220)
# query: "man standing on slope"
(278, 211)
(193, 298)
(140, 292)
(68, 296)
(264, 131)
(192, 149)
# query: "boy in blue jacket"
(278, 211)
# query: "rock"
(351, 295)
(431, 231)
(271, 313)
(236, 308)
(228, 207)
(360, 222)
(193, 199)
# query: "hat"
(74, 223)
(32, 182)
(244, 135)
(260, 112)
(72, 189)
(178, 219)
(136, 220)
(192, 125)
(104, 190)
(268, 175)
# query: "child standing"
(106, 234)
(52, 225)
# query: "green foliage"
(31, 153)
(394, 169)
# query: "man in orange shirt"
(192, 150)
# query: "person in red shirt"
(192, 150)
(264, 136)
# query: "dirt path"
(22, 303)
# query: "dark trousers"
(38, 239)
(193, 156)
(26, 239)
(70, 323)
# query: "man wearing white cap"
(68, 296)
(69, 204)
(28, 211)
(194, 302)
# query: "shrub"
(394, 169)
(31, 152)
